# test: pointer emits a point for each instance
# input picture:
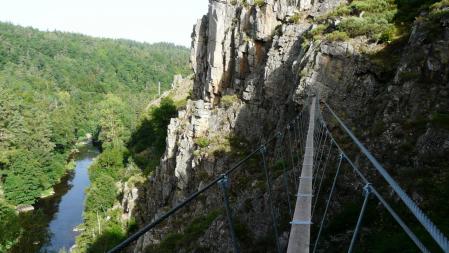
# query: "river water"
(49, 228)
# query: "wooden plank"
(299, 241)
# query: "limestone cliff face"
(252, 71)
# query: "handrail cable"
(436, 234)
(365, 181)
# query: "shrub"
(202, 142)
(337, 36)
(259, 3)
(295, 18)
(102, 194)
(228, 100)
(374, 19)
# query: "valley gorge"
(238, 100)
(254, 65)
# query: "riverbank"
(50, 226)
(71, 164)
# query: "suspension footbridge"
(312, 163)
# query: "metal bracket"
(367, 189)
(224, 182)
(279, 134)
(263, 149)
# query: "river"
(49, 228)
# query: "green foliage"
(439, 9)
(9, 226)
(25, 179)
(228, 100)
(259, 3)
(295, 18)
(147, 143)
(102, 194)
(56, 87)
(337, 36)
(110, 162)
(378, 20)
(202, 142)
(113, 235)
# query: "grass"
(295, 18)
(202, 142)
(337, 36)
(259, 3)
(228, 100)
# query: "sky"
(141, 20)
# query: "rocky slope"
(254, 64)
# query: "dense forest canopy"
(55, 87)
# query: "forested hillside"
(57, 87)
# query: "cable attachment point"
(288, 127)
(263, 149)
(367, 190)
(224, 182)
(280, 135)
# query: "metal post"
(270, 199)
(224, 185)
(366, 193)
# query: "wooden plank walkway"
(299, 241)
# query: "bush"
(228, 100)
(375, 19)
(337, 36)
(202, 142)
(259, 3)
(102, 194)
(295, 18)
(110, 162)
(147, 143)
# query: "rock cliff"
(253, 64)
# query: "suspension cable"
(433, 230)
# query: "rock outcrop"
(252, 71)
